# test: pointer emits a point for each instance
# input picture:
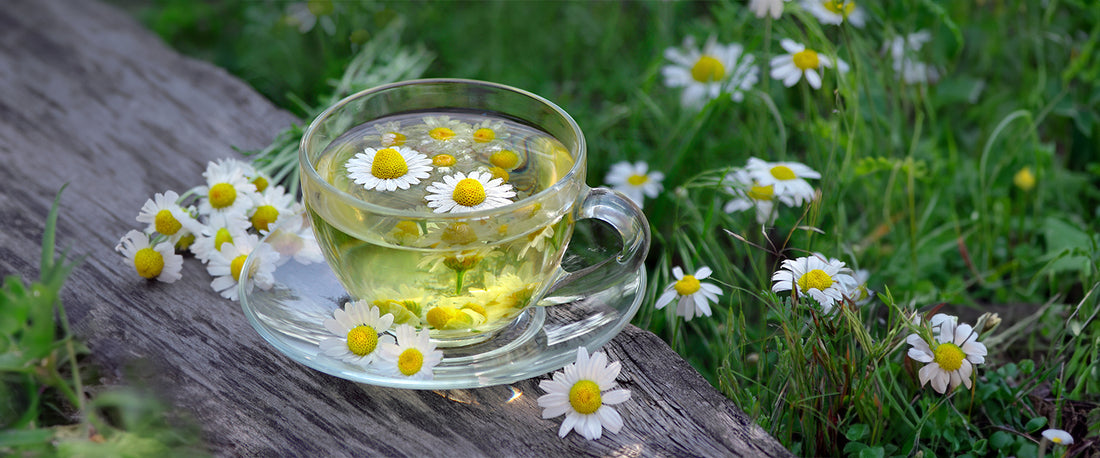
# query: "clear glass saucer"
(543, 339)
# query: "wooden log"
(92, 99)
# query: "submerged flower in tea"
(836, 12)
(584, 392)
(950, 356)
(388, 169)
(708, 73)
(635, 180)
(413, 355)
(692, 296)
(464, 193)
(360, 330)
(227, 266)
(801, 61)
(445, 135)
(827, 281)
(158, 262)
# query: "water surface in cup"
(464, 279)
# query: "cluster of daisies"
(456, 166)
(221, 224)
(362, 336)
(715, 69)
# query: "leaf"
(857, 432)
(1035, 424)
(1001, 440)
(24, 437)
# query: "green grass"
(917, 187)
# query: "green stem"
(459, 275)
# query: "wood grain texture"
(88, 97)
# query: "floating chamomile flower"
(708, 73)
(485, 132)
(269, 205)
(413, 356)
(763, 8)
(836, 12)
(215, 233)
(827, 281)
(158, 262)
(537, 239)
(1058, 436)
(390, 134)
(789, 68)
(952, 360)
(360, 331)
(465, 193)
(446, 134)
(227, 192)
(694, 297)
(787, 178)
(388, 169)
(165, 216)
(635, 180)
(580, 391)
(226, 266)
(751, 194)
(902, 50)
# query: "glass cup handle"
(628, 220)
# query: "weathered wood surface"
(88, 97)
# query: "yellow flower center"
(260, 182)
(1056, 440)
(410, 361)
(505, 159)
(474, 307)
(842, 7)
(264, 216)
(469, 192)
(222, 237)
(585, 398)
(393, 139)
(499, 173)
(442, 133)
(458, 234)
(388, 164)
(320, 7)
(236, 265)
(783, 173)
(166, 223)
(757, 192)
(637, 180)
(1024, 179)
(185, 242)
(222, 195)
(687, 286)
(148, 262)
(408, 228)
(815, 279)
(443, 160)
(949, 356)
(707, 69)
(806, 59)
(362, 340)
(484, 135)
(439, 316)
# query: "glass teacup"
(450, 204)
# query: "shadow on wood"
(92, 99)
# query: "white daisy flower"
(694, 296)
(293, 238)
(749, 194)
(635, 181)
(360, 330)
(952, 360)
(485, 132)
(799, 61)
(388, 169)
(708, 73)
(391, 134)
(902, 51)
(211, 236)
(827, 281)
(414, 355)
(836, 12)
(227, 192)
(446, 134)
(580, 391)
(305, 15)
(225, 266)
(536, 240)
(160, 261)
(786, 178)
(269, 205)
(164, 215)
(464, 193)
(763, 8)
(860, 293)
(1058, 436)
